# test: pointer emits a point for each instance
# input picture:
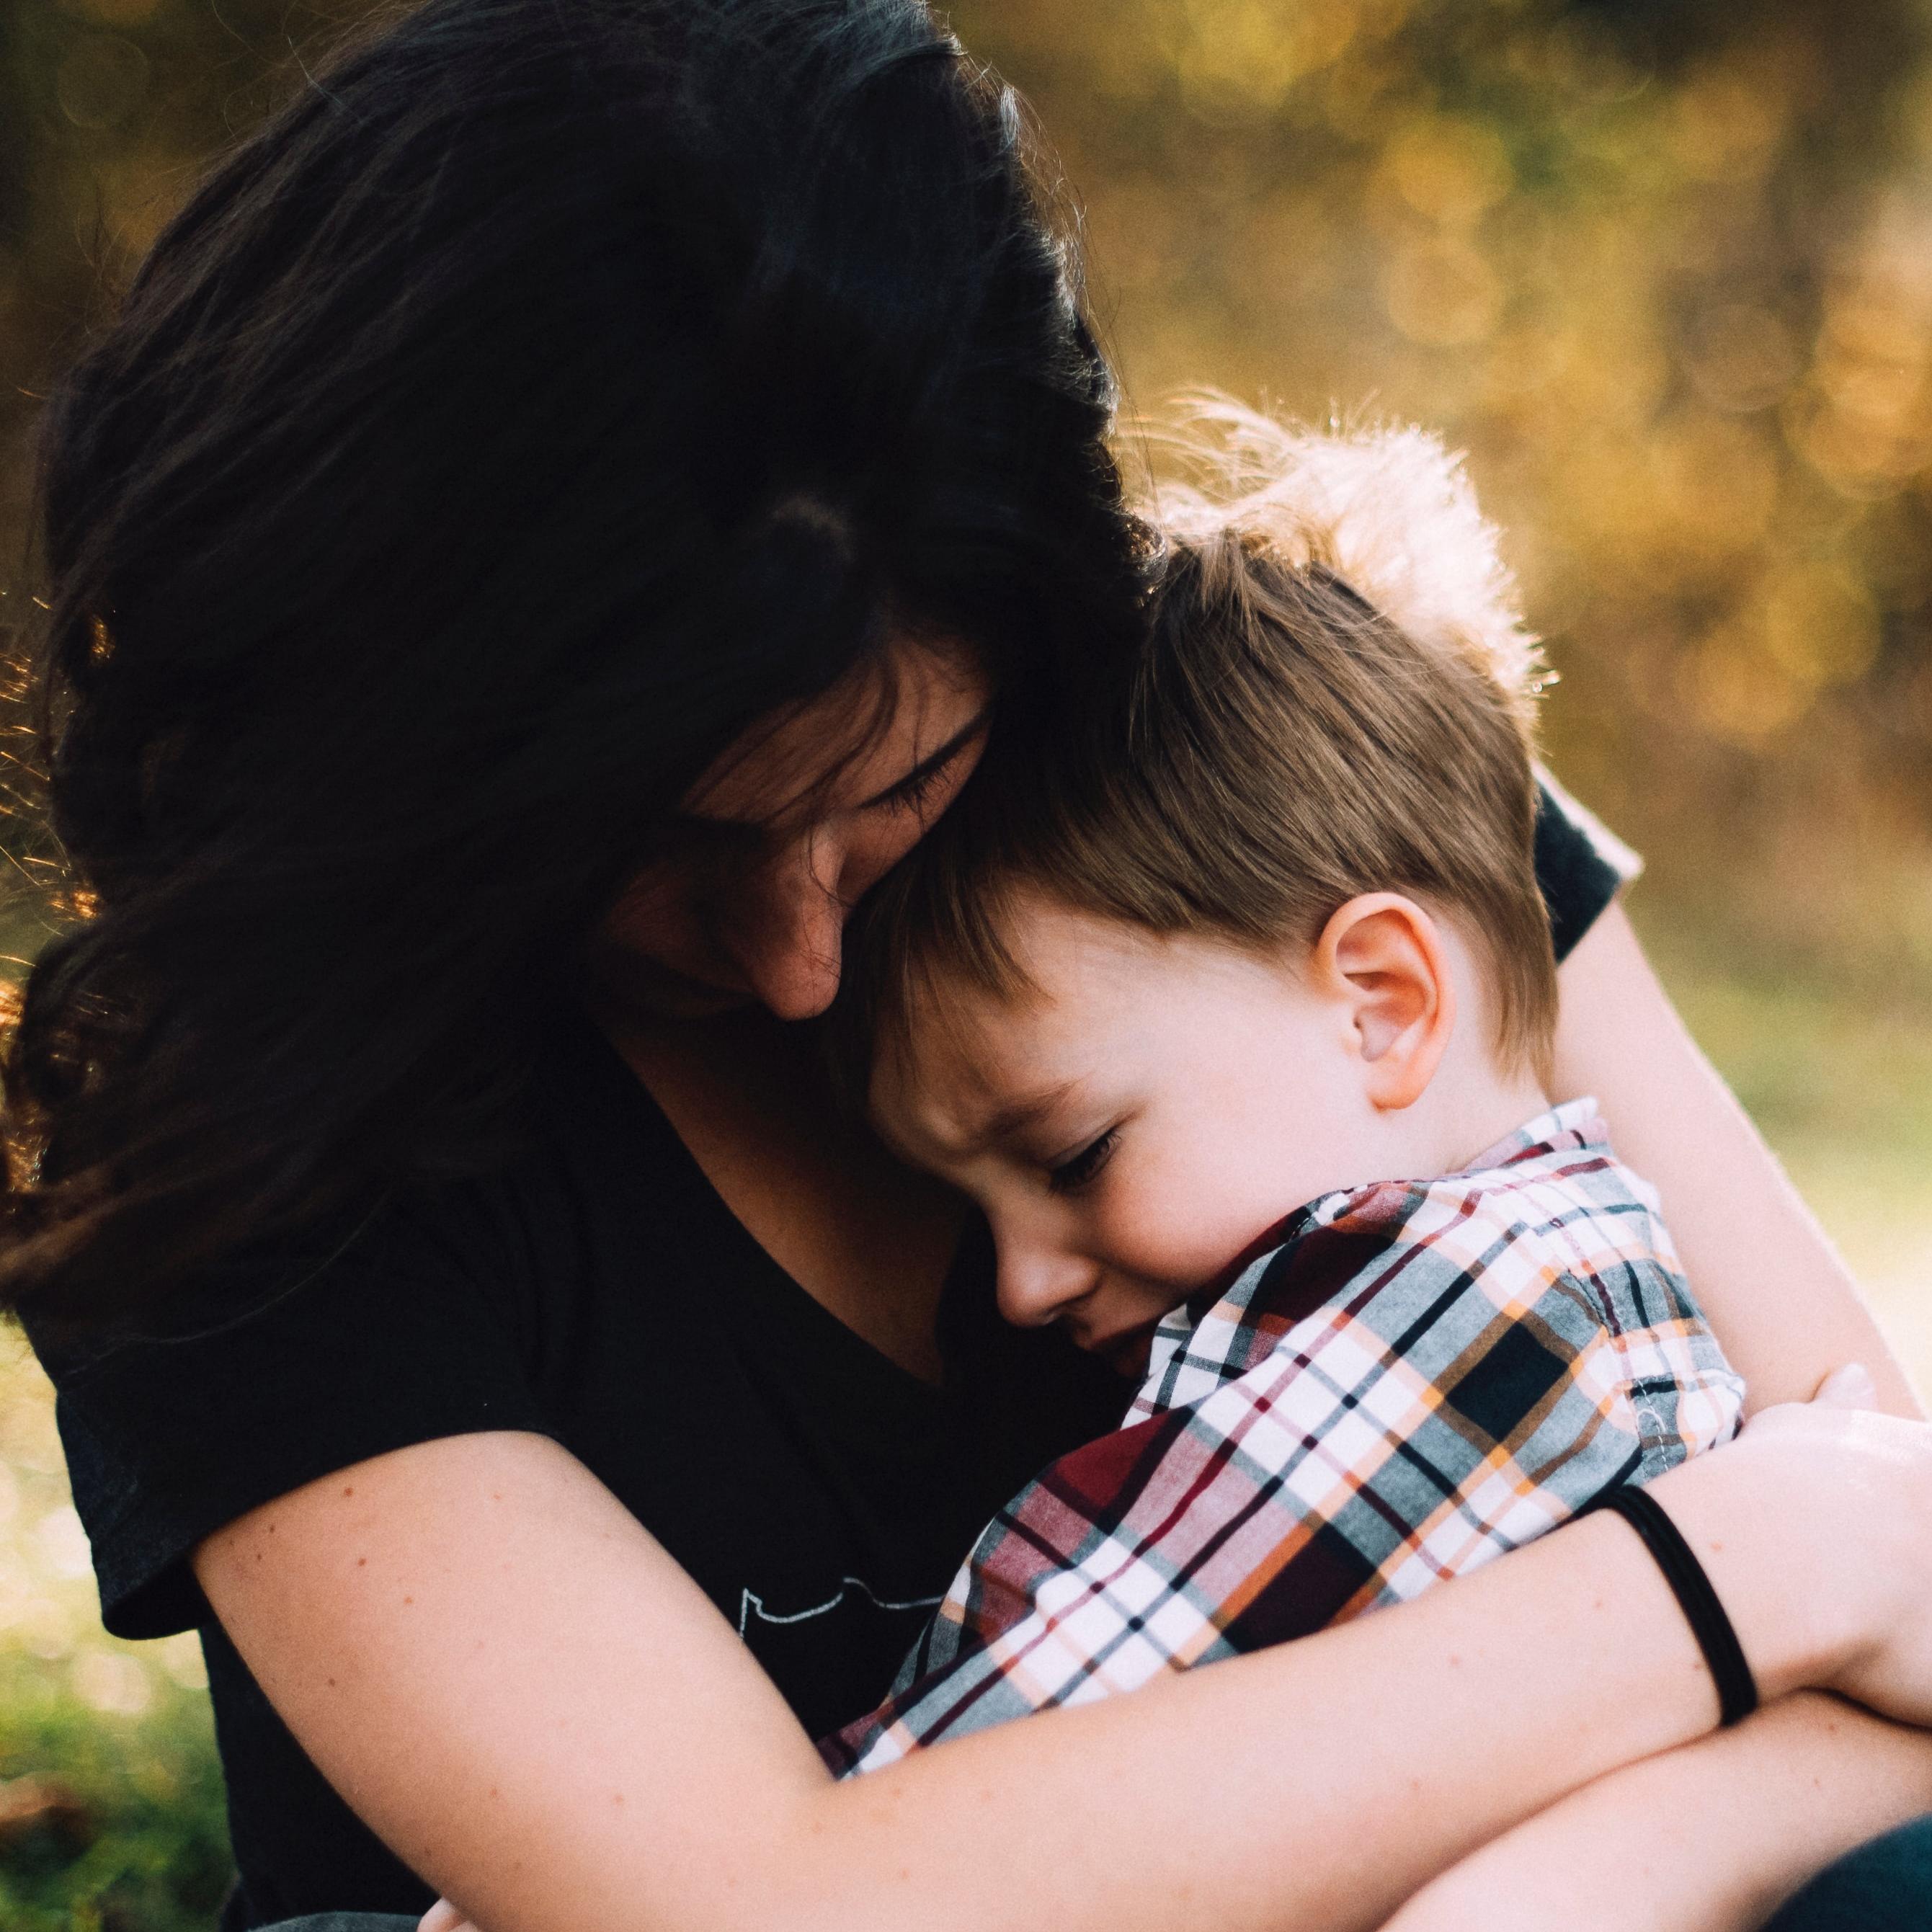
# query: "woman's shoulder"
(1581, 865)
(293, 1358)
(429, 1312)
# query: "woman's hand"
(1883, 1503)
(1816, 1529)
(1714, 1836)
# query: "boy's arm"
(1710, 1837)
(1780, 1297)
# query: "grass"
(129, 1836)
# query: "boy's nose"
(1037, 1282)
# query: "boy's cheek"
(1177, 1236)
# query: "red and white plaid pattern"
(1417, 1377)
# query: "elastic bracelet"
(1737, 1689)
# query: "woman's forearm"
(513, 1684)
(1316, 1785)
(1777, 1291)
(1319, 1784)
(1711, 1838)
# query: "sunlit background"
(1663, 271)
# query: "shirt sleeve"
(300, 1364)
(1581, 864)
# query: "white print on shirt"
(751, 1604)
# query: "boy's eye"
(1074, 1174)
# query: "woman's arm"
(1712, 1837)
(524, 1695)
(1777, 1291)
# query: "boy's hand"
(443, 1917)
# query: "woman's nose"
(789, 945)
(1037, 1281)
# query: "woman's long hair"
(546, 392)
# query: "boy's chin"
(1127, 1354)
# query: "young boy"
(1237, 1023)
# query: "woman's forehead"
(843, 749)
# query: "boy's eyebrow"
(1007, 1120)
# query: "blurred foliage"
(111, 1812)
(1664, 268)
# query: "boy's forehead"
(954, 1077)
(951, 1048)
(1095, 990)
(966, 1034)
(965, 1061)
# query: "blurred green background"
(1663, 270)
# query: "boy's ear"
(1383, 954)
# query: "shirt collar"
(1571, 1128)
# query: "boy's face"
(1154, 1110)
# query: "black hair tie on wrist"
(1737, 1689)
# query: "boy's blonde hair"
(1335, 697)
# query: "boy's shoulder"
(1552, 1195)
(1550, 1208)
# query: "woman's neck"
(869, 1239)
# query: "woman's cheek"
(870, 854)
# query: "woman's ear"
(1383, 954)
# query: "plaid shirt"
(1415, 1377)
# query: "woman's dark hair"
(546, 391)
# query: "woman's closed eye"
(943, 770)
(1078, 1171)
(913, 792)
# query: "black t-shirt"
(598, 1292)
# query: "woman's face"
(748, 897)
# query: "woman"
(562, 508)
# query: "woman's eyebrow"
(928, 767)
